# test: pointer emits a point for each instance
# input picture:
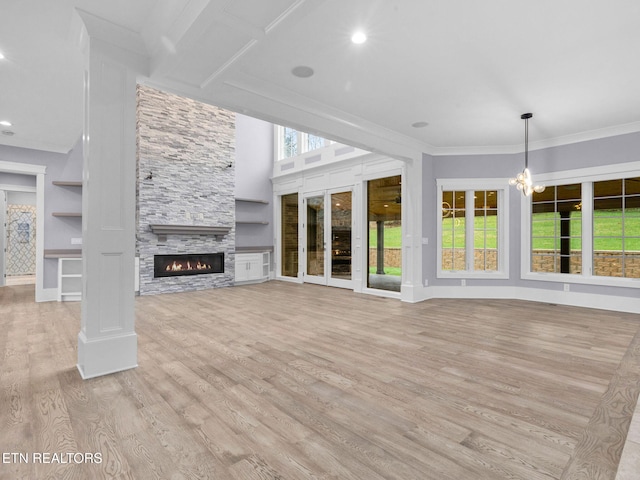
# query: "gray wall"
(17, 180)
(57, 232)
(607, 151)
(21, 198)
(254, 167)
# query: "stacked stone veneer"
(186, 158)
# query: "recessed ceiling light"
(386, 206)
(1, 56)
(359, 37)
(5, 123)
(419, 124)
(302, 71)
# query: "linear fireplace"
(189, 264)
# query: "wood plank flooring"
(286, 381)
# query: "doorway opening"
(11, 181)
(384, 220)
(20, 238)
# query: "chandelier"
(523, 180)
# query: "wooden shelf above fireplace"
(164, 229)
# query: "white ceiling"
(466, 67)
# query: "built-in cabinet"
(252, 267)
(69, 279)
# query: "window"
(289, 142)
(556, 229)
(293, 142)
(314, 142)
(453, 231)
(585, 226)
(485, 230)
(616, 228)
(472, 230)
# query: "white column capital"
(116, 42)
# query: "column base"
(107, 355)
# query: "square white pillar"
(107, 341)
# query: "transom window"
(292, 142)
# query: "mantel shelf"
(164, 229)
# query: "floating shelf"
(63, 253)
(254, 249)
(162, 229)
(252, 200)
(66, 214)
(244, 222)
(61, 183)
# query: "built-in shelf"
(63, 253)
(246, 222)
(69, 279)
(254, 249)
(163, 229)
(66, 214)
(61, 183)
(252, 200)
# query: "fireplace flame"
(179, 267)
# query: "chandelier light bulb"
(523, 181)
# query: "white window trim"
(585, 176)
(501, 185)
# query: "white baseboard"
(574, 299)
(47, 295)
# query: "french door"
(327, 239)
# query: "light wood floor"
(285, 381)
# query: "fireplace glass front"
(188, 264)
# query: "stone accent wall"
(186, 176)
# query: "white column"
(412, 206)
(107, 341)
(40, 296)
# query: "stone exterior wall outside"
(186, 158)
(607, 264)
(392, 257)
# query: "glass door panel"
(341, 236)
(315, 237)
(289, 235)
